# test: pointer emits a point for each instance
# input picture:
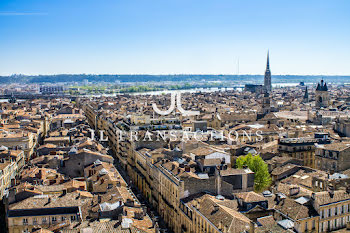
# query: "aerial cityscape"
(102, 131)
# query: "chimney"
(39, 174)
(144, 210)
(187, 168)
(331, 191)
(216, 208)
(48, 201)
(294, 191)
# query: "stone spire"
(268, 61)
(306, 95)
(267, 78)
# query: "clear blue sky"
(174, 36)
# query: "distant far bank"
(239, 79)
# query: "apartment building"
(16, 156)
(302, 148)
(102, 176)
(165, 182)
(19, 141)
(214, 214)
(301, 216)
(333, 208)
(8, 171)
(342, 126)
(333, 157)
(45, 211)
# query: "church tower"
(306, 96)
(266, 104)
(267, 77)
(322, 95)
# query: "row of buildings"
(194, 184)
(65, 181)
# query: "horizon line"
(216, 74)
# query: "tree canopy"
(259, 167)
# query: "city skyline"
(158, 37)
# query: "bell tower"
(322, 95)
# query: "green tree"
(259, 167)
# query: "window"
(63, 218)
(306, 226)
(35, 222)
(72, 218)
(44, 220)
(329, 225)
(25, 221)
(54, 219)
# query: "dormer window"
(25, 221)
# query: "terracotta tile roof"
(293, 209)
(280, 170)
(285, 189)
(49, 201)
(233, 171)
(221, 213)
(266, 221)
(42, 231)
(202, 151)
(324, 198)
(340, 146)
(250, 197)
(112, 226)
(47, 145)
(271, 229)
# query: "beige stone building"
(45, 211)
(333, 208)
(207, 213)
(19, 140)
(8, 171)
(333, 157)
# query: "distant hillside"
(160, 78)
